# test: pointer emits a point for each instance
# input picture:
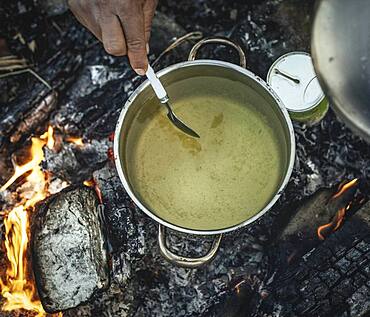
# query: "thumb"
(137, 56)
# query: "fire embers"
(92, 183)
(74, 159)
(348, 201)
(110, 152)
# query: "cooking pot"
(341, 54)
(185, 70)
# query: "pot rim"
(206, 62)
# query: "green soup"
(220, 180)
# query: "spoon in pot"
(163, 98)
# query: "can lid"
(294, 80)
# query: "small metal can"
(294, 80)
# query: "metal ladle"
(163, 98)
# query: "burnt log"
(37, 116)
(303, 222)
(76, 163)
(34, 102)
(331, 279)
(68, 254)
(295, 231)
(120, 213)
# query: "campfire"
(17, 287)
(73, 243)
(340, 215)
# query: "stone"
(68, 253)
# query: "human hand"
(122, 25)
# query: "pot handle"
(218, 40)
(183, 261)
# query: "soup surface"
(220, 180)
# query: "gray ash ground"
(143, 284)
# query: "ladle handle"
(218, 40)
(157, 85)
(183, 261)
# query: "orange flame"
(92, 183)
(17, 288)
(345, 187)
(333, 225)
(237, 286)
(50, 137)
(339, 216)
(37, 156)
(89, 183)
(77, 141)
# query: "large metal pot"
(341, 53)
(186, 70)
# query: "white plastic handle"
(156, 84)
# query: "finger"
(149, 10)
(87, 17)
(112, 35)
(92, 26)
(132, 20)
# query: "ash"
(142, 283)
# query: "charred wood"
(76, 163)
(28, 112)
(68, 254)
(37, 116)
(330, 277)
